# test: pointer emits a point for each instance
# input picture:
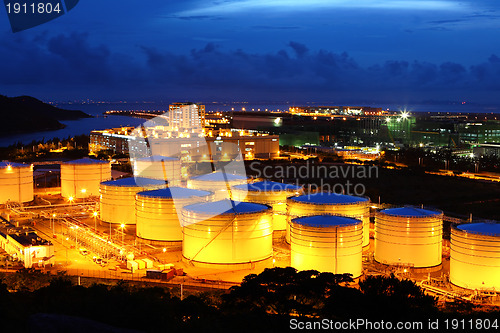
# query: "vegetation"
(264, 302)
(28, 114)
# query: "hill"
(28, 114)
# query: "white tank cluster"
(218, 182)
(158, 212)
(333, 204)
(475, 256)
(327, 243)
(227, 232)
(81, 178)
(117, 201)
(409, 236)
(159, 167)
(16, 182)
(270, 193)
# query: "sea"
(101, 121)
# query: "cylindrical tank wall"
(155, 168)
(117, 204)
(16, 182)
(474, 260)
(335, 249)
(227, 238)
(83, 180)
(359, 210)
(159, 218)
(275, 199)
(221, 189)
(408, 240)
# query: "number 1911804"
(32, 8)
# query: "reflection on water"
(73, 127)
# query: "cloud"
(71, 65)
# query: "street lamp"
(70, 199)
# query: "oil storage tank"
(227, 232)
(16, 182)
(271, 193)
(81, 178)
(330, 203)
(159, 167)
(475, 256)
(117, 204)
(218, 182)
(158, 212)
(327, 243)
(409, 236)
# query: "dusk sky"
(392, 51)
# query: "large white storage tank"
(117, 204)
(333, 204)
(409, 236)
(218, 182)
(16, 182)
(270, 193)
(327, 243)
(158, 212)
(159, 167)
(81, 178)
(227, 232)
(475, 256)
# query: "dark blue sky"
(394, 51)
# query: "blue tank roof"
(326, 198)
(489, 229)
(267, 186)
(6, 164)
(219, 177)
(157, 158)
(173, 193)
(133, 182)
(410, 212)
(83, 161)
(227, 206)
(322, 221)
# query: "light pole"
(95, 220)
(123, 234)
(53, 223)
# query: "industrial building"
(475, 256)
(23, 244)
(158, 212)
(16, 182)
(227, 232)
(117, 198)
(82, 178)
(327, 243)
(269, 193)
(333, 204)
(409, 236)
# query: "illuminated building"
(186, 117)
